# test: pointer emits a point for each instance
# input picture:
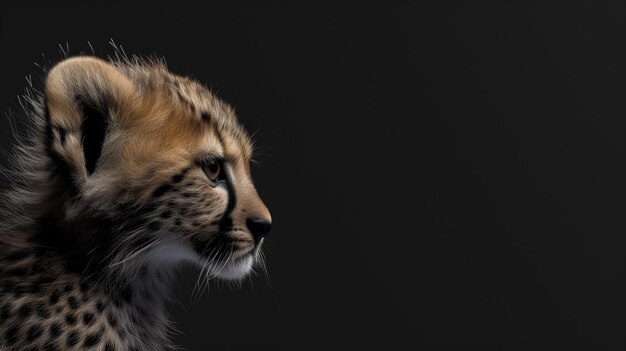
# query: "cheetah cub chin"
(129, 171)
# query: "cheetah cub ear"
(83, 98)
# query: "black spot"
(70, 318)
(42, 310)
(92, 339)
(72, 338)
(166, 214)
(205, 117)
(178, 178)
(12, 334)
(109, 347)
(188, 194)
(55, 329)
(178, 222)
(88, 318)
(100, 306)
(84, 286)
(72, 302)
(26, 310)
(68, 287)
(162, 190)
(34, 332)
(54, 297)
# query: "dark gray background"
(440, 174)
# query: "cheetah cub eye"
(213, 170)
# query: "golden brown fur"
(113, 192)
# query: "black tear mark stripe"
(226, 222)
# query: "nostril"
(258, 227)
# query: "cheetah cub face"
(156, 167)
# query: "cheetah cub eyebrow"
(129, 172)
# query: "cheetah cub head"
(154, 170)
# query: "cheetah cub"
(129, 171)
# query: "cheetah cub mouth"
(223, 239)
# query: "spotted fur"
(109, 195)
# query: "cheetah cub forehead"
(154, 169)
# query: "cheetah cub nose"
(259, 228)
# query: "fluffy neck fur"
(83, 249)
